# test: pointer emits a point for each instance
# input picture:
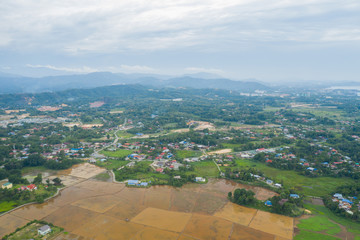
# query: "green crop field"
(122, 134)
(232, 145)
(102, 177)
(351, 226)
(325, 225)
(309, 186)
(319, 224)
(118, 153)
(205, 169)
(306, 235)
(6, 206)
(187, 153)
(112, 163)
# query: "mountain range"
(19, 84)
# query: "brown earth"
(93, 209)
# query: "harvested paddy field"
(208, 227)
(236, 213)
(8, 223)
(272, 223)
(36, 211)
(166, 220)
(85, 170)
(92, 209)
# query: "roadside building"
(7, 185)
(44, 230)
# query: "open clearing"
(272, 223)
(236, 213)
(93, 209)
(222, 151)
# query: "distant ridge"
(18, 84)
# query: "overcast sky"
(268, 40)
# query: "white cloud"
(4, 40)
(136, 69)
(109, 26)
(206, 70)
(86, 69)
(83, 69)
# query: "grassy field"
(6, 206)
(232, 145)
(117, 154)
(321, 112)
(319, 224)
(309, 186)
(324, 225)
(122, 134)
(30, 232)
(187, 153)
(102, 177)
(41, 191)
(351, 226)
(34, 170)
(170, 126)
(306, 235)
(205, 169)
(112, 163)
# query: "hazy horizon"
(250, 39)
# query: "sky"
(268, 40)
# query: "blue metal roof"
(133, 182)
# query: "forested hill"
(107, 94)
(18, 84)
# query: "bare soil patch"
(98, 204)
(8, 223)
(274, 224)
(35, 211)
(209, 203)
(153, 233)
(158, 197)
(208, 227)
(70, 217)
(182, 200)
(245, 233)
(166, 220)
(104, 227)
(236, 213)
(221, 151)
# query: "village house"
(294, 196)
(44, 230)
(7, 185)
(200, 179)
(270, 182)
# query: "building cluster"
(169, 164)
(345, 203)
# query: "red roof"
(31, 186)
(159, 170)
(270, 161)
